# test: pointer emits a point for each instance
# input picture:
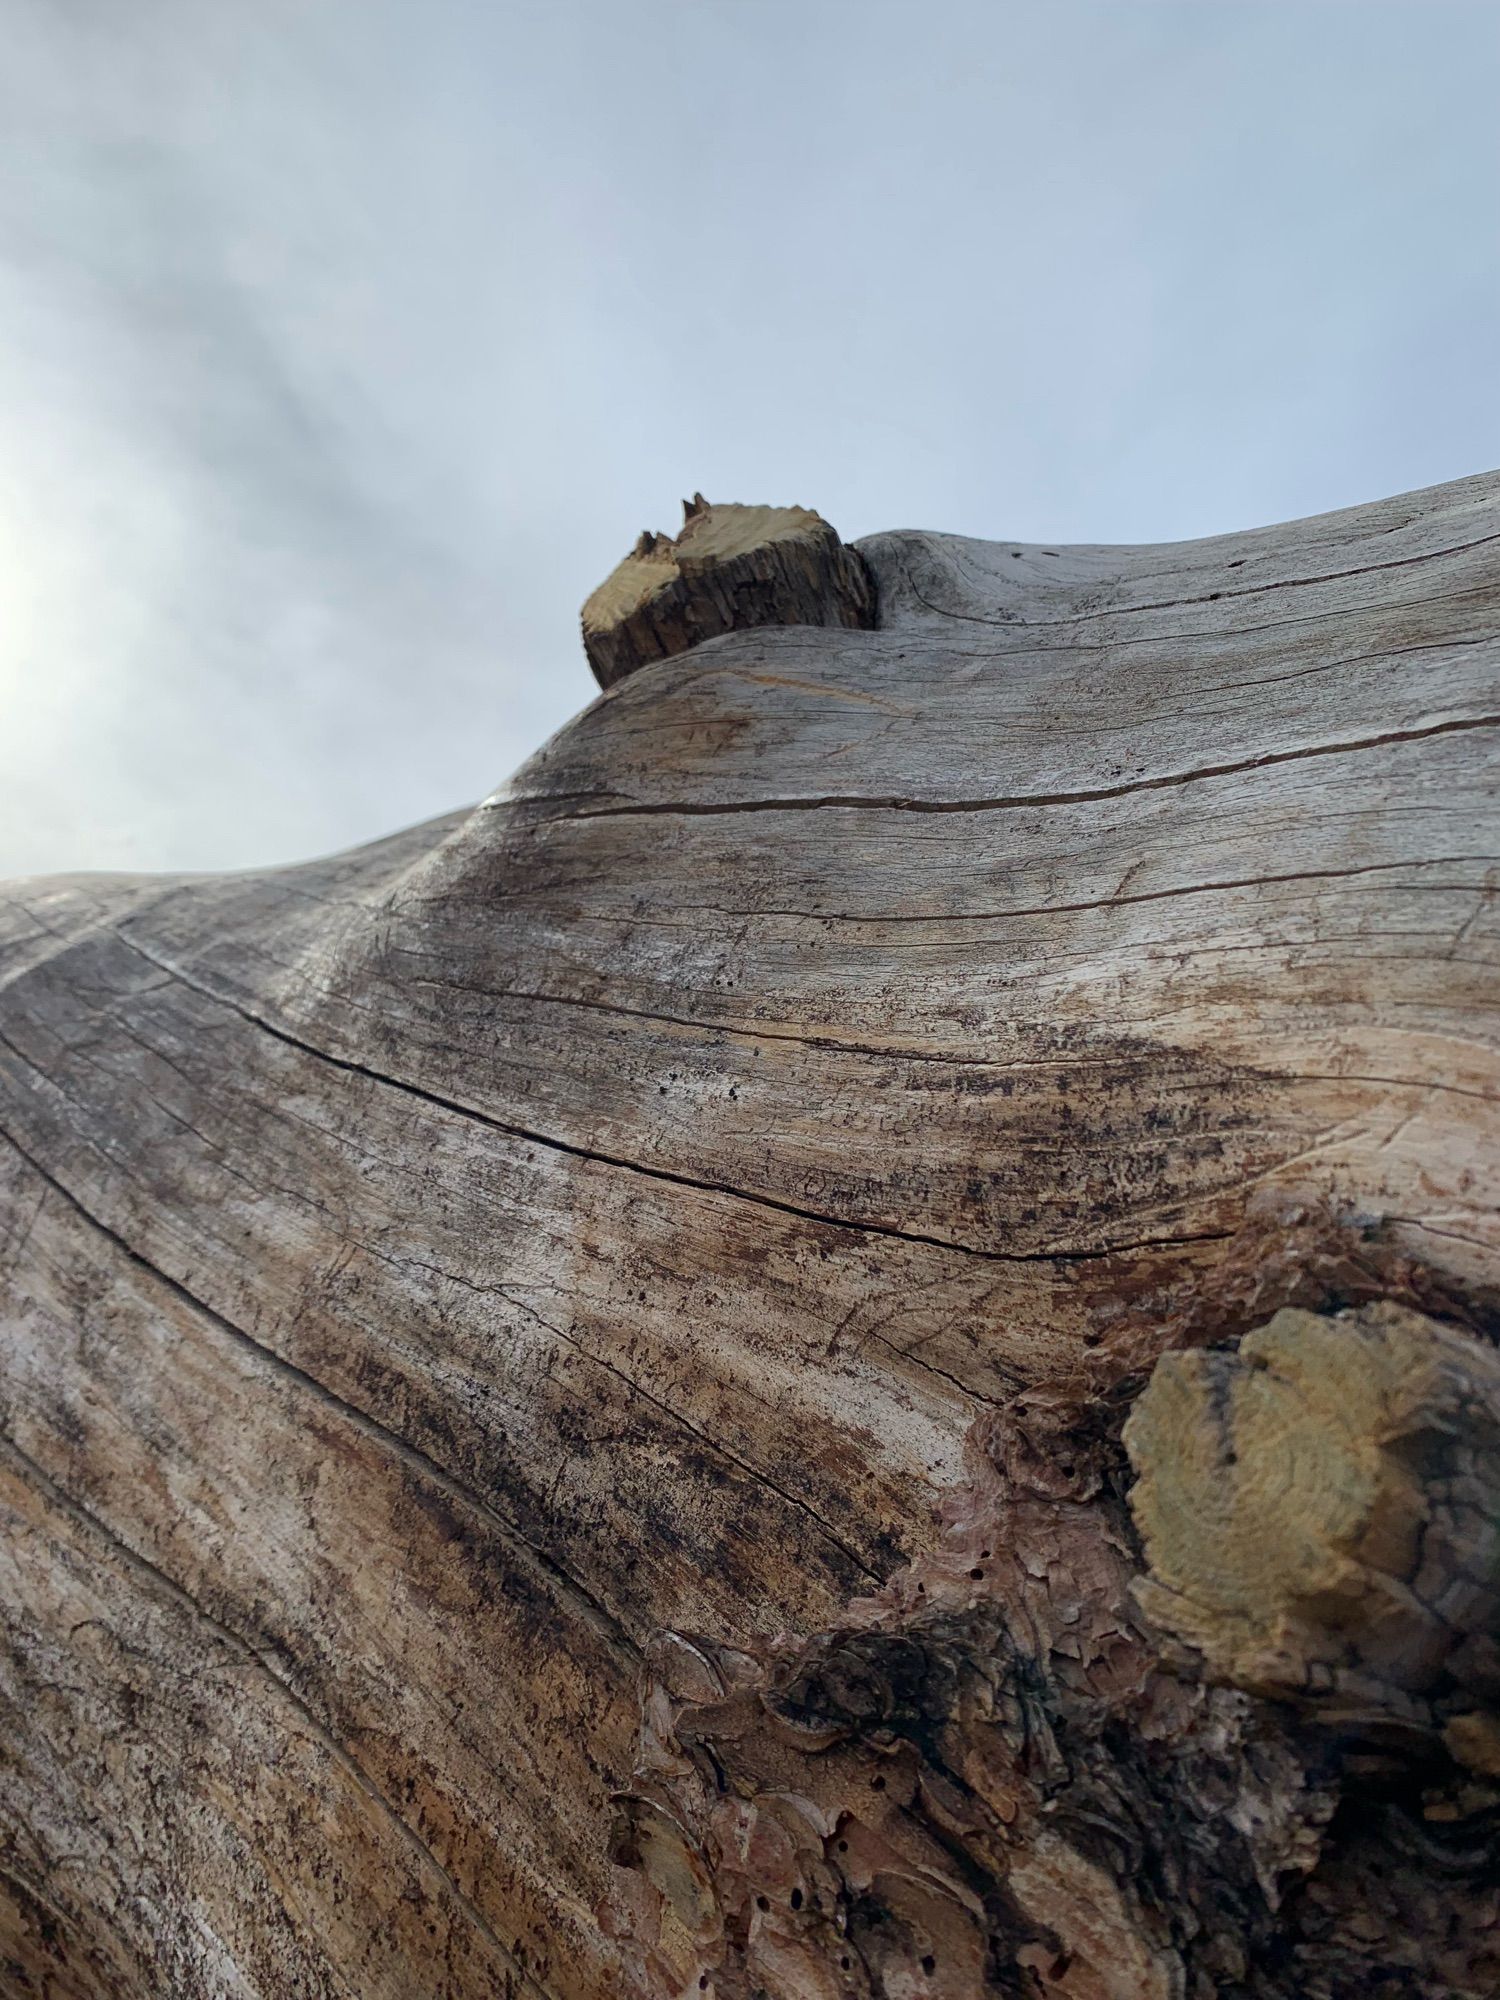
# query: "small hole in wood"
(929, 1965)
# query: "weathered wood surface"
(712, 1188)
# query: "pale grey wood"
(610, 1210)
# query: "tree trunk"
(842, 1345)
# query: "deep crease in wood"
(665, 1174)
(1215, 597)
(740, 1031)
(949, 917)
(1010, 802)
(590, 1608)
(1360, 659)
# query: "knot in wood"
(1321, 1507)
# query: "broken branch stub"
(729, 569)
(1321, 1511)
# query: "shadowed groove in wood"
(1064, 1255)
(893, 803)
(606, 1622)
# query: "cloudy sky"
(346, 344)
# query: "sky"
(345, 345)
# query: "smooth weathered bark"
(842, 1345)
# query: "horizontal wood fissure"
(1231, 592)
(990, 652)
(896, 919)
(1061, 1255)
(894, 803)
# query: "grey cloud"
(344, 344)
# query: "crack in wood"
(1217, 596)
(600, 1618)
(1069, 1255)
(1014, 801)
(157, 1579)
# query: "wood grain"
(432, 1274)
(731, 568)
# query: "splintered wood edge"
(1320, 1508)
(731, 568)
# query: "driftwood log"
(843, 1345)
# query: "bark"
(842, 1345)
